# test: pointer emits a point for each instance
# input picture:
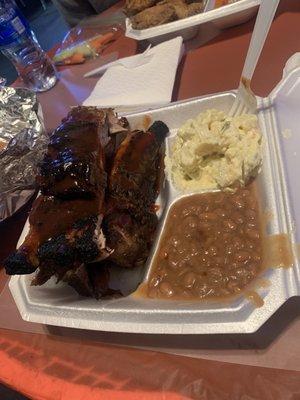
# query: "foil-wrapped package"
(23, 142)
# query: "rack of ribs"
(92, 215)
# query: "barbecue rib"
(80, 240)
(109, 125)
(133, 177)
(68, 170)
(130, 221)
(65, 222)
(62, 234)
(74, 164)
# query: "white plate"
(222, 17)
(60, 305)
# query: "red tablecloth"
(68, 365)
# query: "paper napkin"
(130, 87)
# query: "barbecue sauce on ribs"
(83, 217)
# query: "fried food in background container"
(162, 12)
(133, 7)
(221, 3)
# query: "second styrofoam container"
(223, 17)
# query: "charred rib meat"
(134, 173)
(109, 125)
(62, 234)
(129, 234)
(68, 170)
(130, 222)
(65, 222)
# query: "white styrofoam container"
(279, 113)
(223, 17)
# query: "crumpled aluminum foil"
(23, 142)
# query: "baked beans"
(211, 247)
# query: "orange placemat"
(48, 368)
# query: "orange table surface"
(67, 365)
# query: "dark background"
(8, 394)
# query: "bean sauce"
(211, 247)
